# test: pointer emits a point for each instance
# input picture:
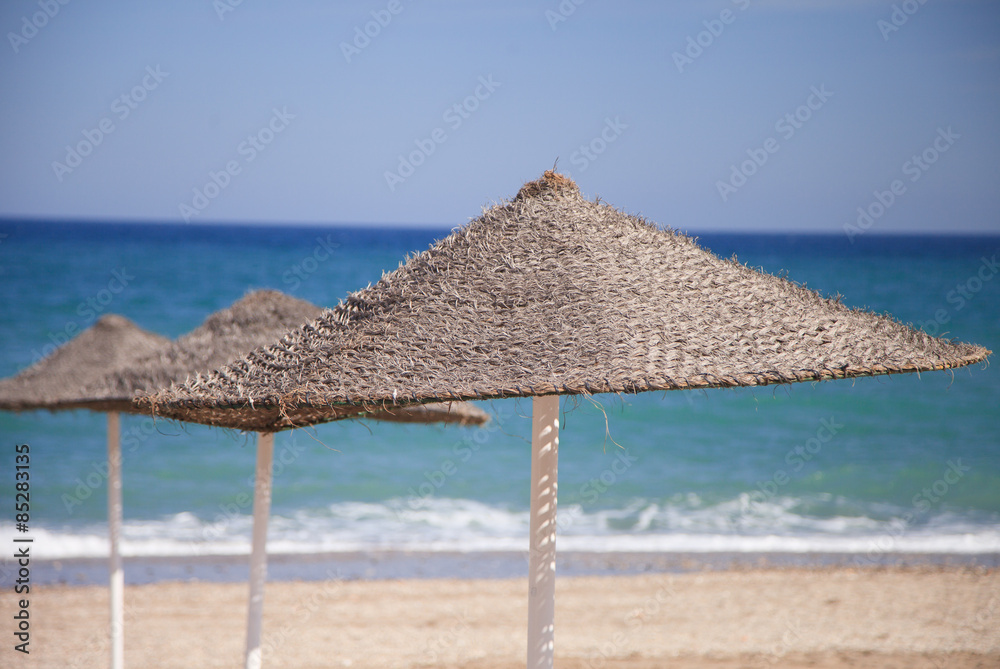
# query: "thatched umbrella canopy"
(257, 319)
(58, 381)
(106, 365)
(552, 294)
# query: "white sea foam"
(466, 525)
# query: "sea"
(864, 470)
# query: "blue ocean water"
(869, 466)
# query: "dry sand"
(910, 618)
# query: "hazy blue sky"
(737, 114)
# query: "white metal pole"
(117, 584)
(542, 549)
(258, 554)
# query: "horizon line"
(6, 219)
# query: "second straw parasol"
(59, 382)
(256, 319)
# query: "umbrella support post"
(542, 549)
(258, 555)
(117, 584)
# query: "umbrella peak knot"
(551, 183)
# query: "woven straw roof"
(552, 293)
(58, 380)
(258, 318)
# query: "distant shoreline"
(386, 565)
(40, 227)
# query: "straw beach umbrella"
(104, 366)
(258, 318)
(551, 294)
(254, 320)
(58, 382)
(224, 335)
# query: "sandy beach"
(839, 617)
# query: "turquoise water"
(886, 464)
